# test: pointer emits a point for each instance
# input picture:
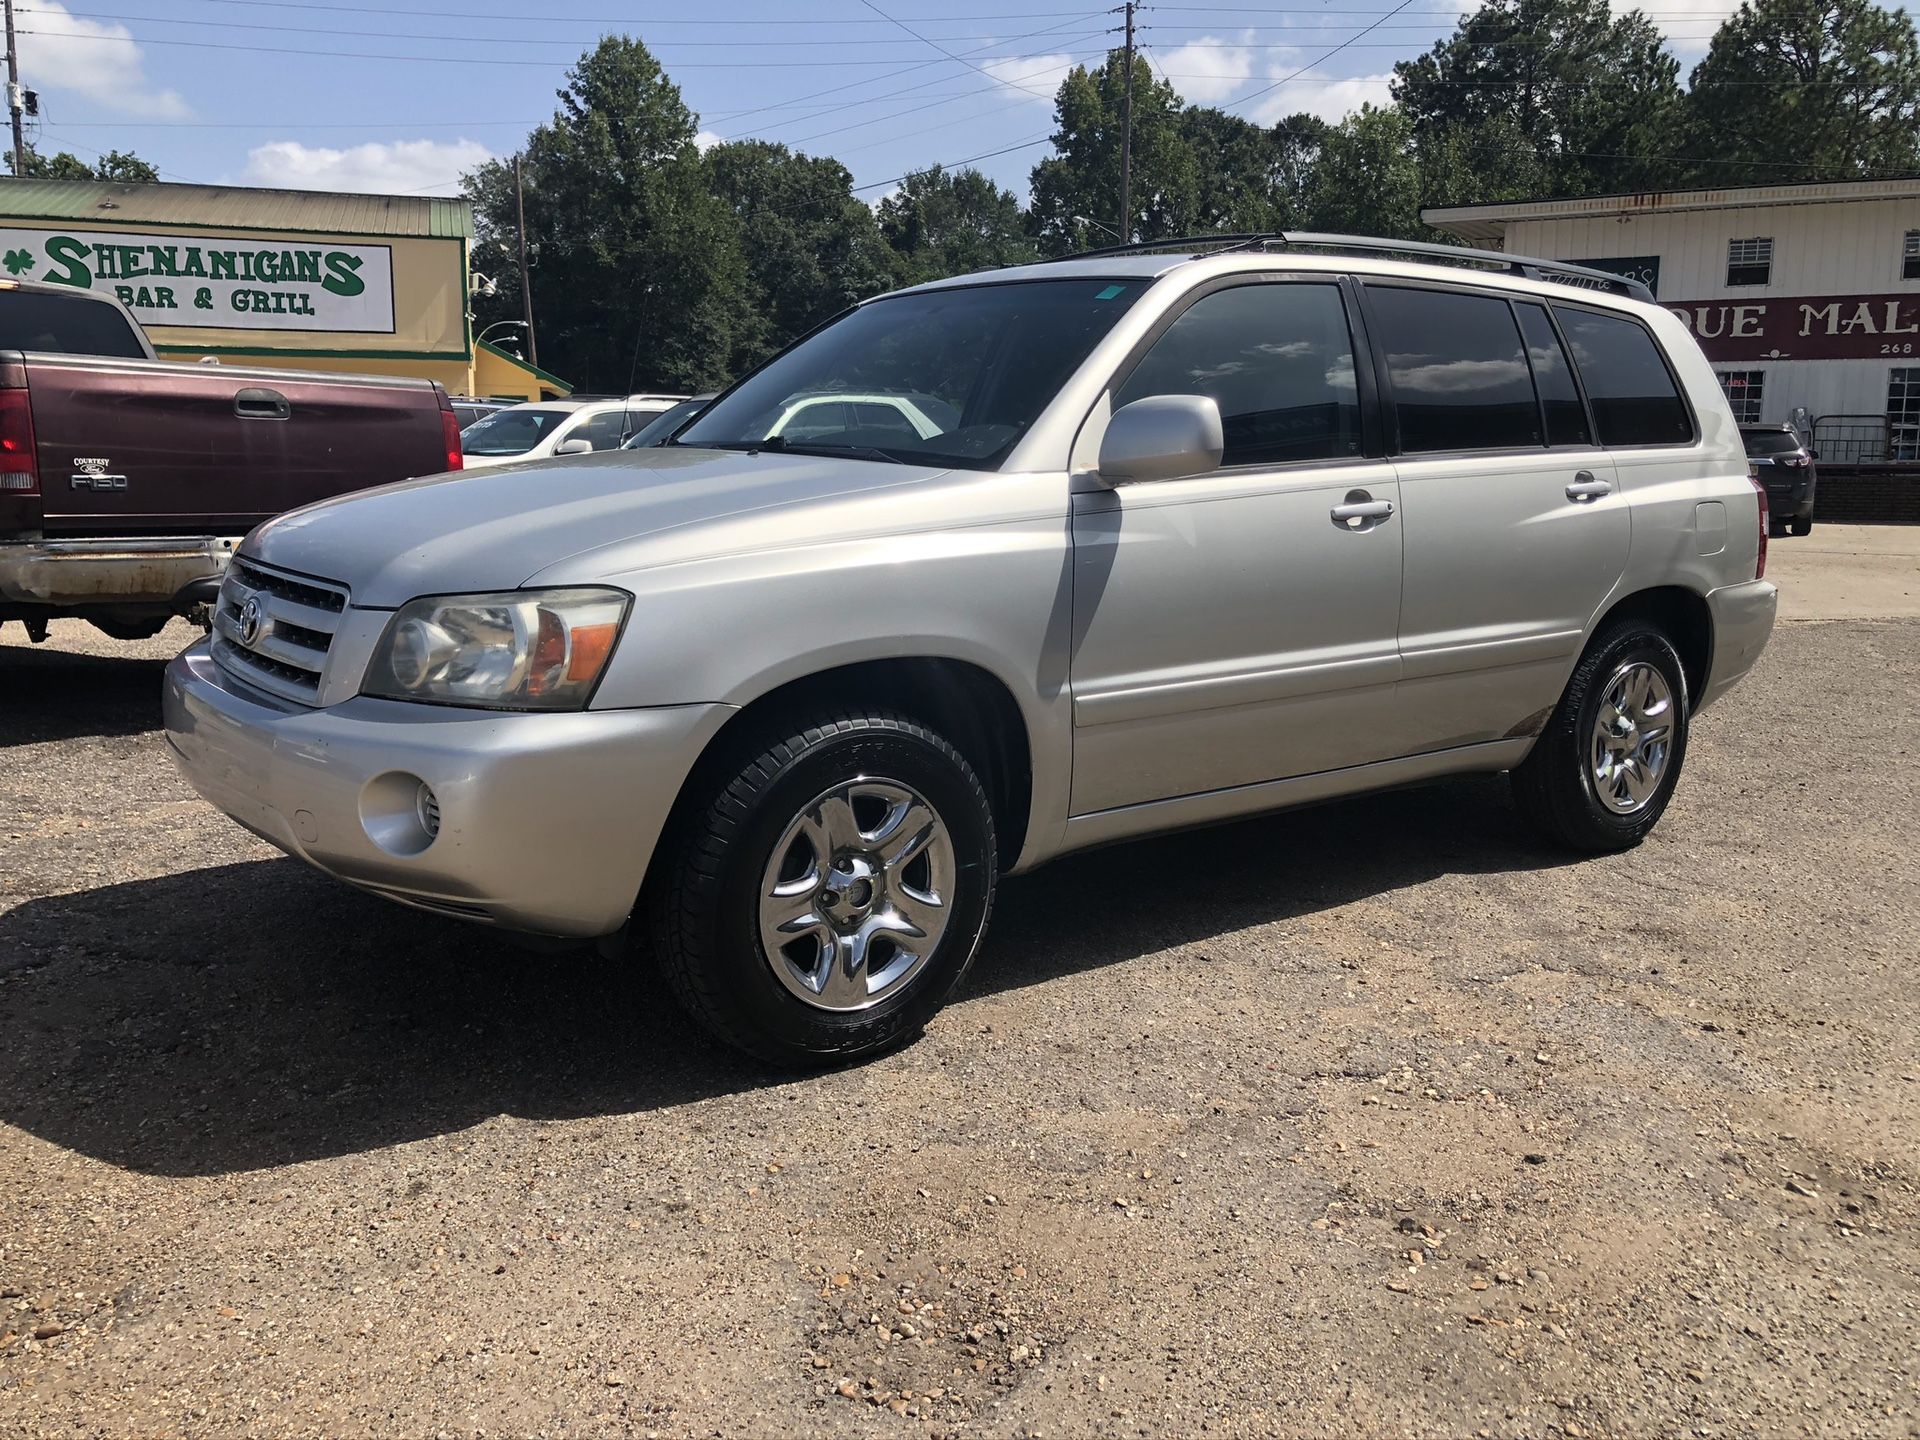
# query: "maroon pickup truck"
(125, 481)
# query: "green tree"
(1807, 90)
(637, 268)
(1247, 178)
(1593, 95)
(114, 165)
(941, 222)
(1081, 180)
(811, 248)
(1366, 180)
(1485, 164)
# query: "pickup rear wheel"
(823, 896)
(1601, 774)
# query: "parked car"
(661, 428)
(125, 482)
(544, 428)
(466, 409)
(1785, 465)
(1207, 531)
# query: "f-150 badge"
(91, 474)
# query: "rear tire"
(1601, 773)
(1802, 527)
(823, 895)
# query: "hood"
(495, 528)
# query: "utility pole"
(13, 97)
(1126, 139)
(526, 287)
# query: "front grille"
(295, 620)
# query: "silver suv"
(1191, 532)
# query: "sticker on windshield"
(1110, 292)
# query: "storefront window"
(1744, 389)
(1903, 413)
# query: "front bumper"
(1743, 617)
(546, 821)
(67, 574)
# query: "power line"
(1343, 45)
(855, 84)
(614, 19)
(451, 59)
(466, 39)
(961, 59)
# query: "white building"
(1805, 298)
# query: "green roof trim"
(535, 370)
(236, 207)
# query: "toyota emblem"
(250, 621)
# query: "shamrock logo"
(17, 261)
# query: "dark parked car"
(663, 426)
(1785, 465)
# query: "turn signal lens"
(1766, 524)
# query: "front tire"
(1601, 774)
(821, 898)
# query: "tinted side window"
(65, 325)
(1460, 376)
(1553, 378)
(603, 431)
(1632, 391)
(1279, 360)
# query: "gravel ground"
(1368, 1120)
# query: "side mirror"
(1163, 437)
(1813, 454)
(574, 447)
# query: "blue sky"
(274, 92)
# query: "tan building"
(375, 284)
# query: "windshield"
(941, 377)
(1770, 442)
(656, 430)
(510, 432)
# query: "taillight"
(450, 433)
(1760, 492)
(19, 461)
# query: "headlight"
(521, 650)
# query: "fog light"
(427, 806)
(399, 812)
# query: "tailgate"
(149, 447)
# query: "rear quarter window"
(1634, 398)
(66, 325)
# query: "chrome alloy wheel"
(857, 894)
(1632, 737)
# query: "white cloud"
(1331, 100)
(397, 167)
(1035, 75)
(1208, 70)
(705, 140)
(84, 57)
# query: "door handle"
(1585, 488)
(1355, 514)
(257, 402)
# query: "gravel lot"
(1368, 1120)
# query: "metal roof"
(235, 207)
(1484, 224)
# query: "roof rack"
(1532, 267)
